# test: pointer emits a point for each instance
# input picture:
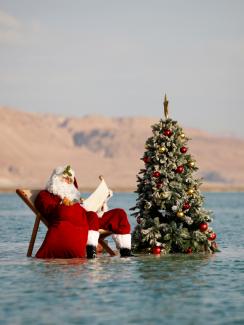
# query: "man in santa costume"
(73, 231)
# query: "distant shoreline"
(204, 188)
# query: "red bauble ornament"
(156, 174)
(146, 160)
(179, 169)
(186, 206)
(156, 250)
(160, 184)
(212, 236)
(168, 133)
(183, 149)
(138, 220)
(203, 226)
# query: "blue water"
(176, 289)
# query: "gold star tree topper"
(166, 103)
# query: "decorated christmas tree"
(169, 208)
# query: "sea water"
(173, 289)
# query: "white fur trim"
(92, 237)
(122, 241)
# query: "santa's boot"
(91, 251)
(91, 246)
(123, 243)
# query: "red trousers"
(114, 220)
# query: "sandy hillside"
(32, 144)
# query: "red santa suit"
(68, 227)
(71, 228)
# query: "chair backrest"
(29, 196)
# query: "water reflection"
(171, 266)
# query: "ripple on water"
(174, 289)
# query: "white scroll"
(97, 201)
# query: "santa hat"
(62, 171)
(68, 172)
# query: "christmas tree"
(169, 207)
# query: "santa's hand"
(67, 202)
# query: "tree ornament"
(159, 185)
(190, 191)
(191, 163)
(156, 250)
(203, 226)
(146, 146)
(156, 174)
(146, 159)
(180, 214)
(183, 149)
(167, 133)
(162, 149)
(186, 206)
(182, 135)
(179, 169)
(138, 220)
(189, 250)
(212, 236)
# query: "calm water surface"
(177, 289)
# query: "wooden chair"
(28, 196)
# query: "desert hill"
(33, 144)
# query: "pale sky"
(119, 57)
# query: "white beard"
(59, 187)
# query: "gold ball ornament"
(162, 149)
(191, 163)
(190, 191)
(180, 214)
(182, 135)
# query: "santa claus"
(73, 231)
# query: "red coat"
(68, 228)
